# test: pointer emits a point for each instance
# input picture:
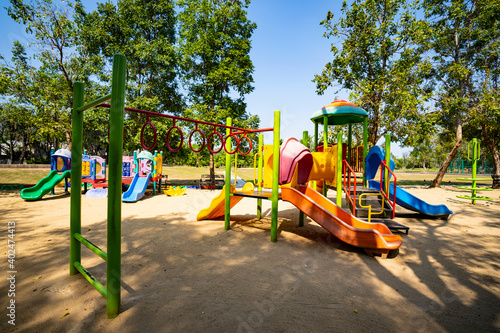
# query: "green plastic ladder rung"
(473, 198)
(93, 281)
(475, 188)
(485, 179)
(91, 246)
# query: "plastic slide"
(217, 206)
(44, 186)
(373, 159)
(411, 202)
(137, 188)
(375, 238)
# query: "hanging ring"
(210, 136)
(249, 142)
(168, 135)
(230, 152)
(196, 130)
(154, 135)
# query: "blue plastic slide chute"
(403, 198)
(373, 159)
(137, 188)
(411, 202)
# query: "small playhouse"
(60, 160)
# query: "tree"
(214, 43)
(45, 91)
(460, 32)
(379, 62)
(144, 31)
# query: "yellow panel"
(59, 164)
(324, 166)
(98, 168)
(159, 163)
(268, 166)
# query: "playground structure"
(60, 166)
(290, 166)
(147, 168)
(476, 151)
(112, 291)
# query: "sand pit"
(180, 275)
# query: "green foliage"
(379, 61)
(214, 43)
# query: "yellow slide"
(217, 206)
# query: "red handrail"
(345, 166)
(386, 194)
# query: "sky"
(288, 49)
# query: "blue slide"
(403, 198)
(411, 202)
(137, 188)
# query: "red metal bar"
(346, 168)
(384, 193)
(105, 105)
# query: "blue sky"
(288, 48)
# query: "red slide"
(375, 238)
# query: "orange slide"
(375, 238)
(217, 206)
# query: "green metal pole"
(276, 172)
(339, 169)
(325, 146)
(315, 135)
(76, 177)
(260, 170)
(474, 169)
(52, 150)
(227, 187)
(387, 161)
(116, 118)
(349, 143)
(365, 148)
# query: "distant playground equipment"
(147, 168)
(60, 165)
(476, 151)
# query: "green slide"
(44, 186)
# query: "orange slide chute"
(375, 238)
(217, 206)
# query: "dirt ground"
(180, 275)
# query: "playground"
(179, 274)
(355, 249)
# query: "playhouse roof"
(340, 112)
(146, 154)
(63, 152)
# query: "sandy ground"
(180, 275)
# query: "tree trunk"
(24, 148)
(11, 148)
(439, 177)
(496, 156)
(211, 166)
